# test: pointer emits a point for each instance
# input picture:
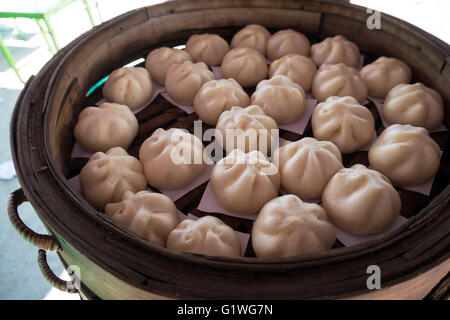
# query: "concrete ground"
(20, 277)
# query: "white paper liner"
(350, 240)
(185, 108)
(243, 237)
(178, 193)
(379, 104)
(208, 203)
(300, 125)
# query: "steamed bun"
(343, 121)
(383, 74)
(361, 201)
(407, 155)
(159, 60)
(129, 86)
(307, 165)
(172, 159)
(280, 98)
(299, 68)
(151, 216)
(251, 129)
(208, 48)
(207, 235)
(338, 80)
(247, 66)
(414, 104)
(185, 79)
(106, 177)
(287, 41)
(287, 226)
(252, 36)
(104, 127)
(335, 50)
(217, 96)
(244, 182)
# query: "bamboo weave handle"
(42, 241)
(50, 276)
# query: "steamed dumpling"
(299, 68)
(217, 96)
(287, 226)
(287, 41)
(185, 79)
(207, 235)
(104, 127)
(361, 201)
(280, 98)
(247, 66)
(106, 177)
(208, 48)
(338, 80)
(383, 74)
(251, 128)
(335, 50)
(307, 165)
(244, 182)
(150, 215)
(407, 155)
(172, 159)
(252, 36)
(343, 121)
(414, 104)
(159, 60)
(129, 86)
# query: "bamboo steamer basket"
(116, 264)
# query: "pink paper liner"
(350, 240)
(379, 104)
(217, 70)
(157, 89)
(283, 142)
(318, 200)
(79, 152)
(177, 194)
(424, 188)
(208, 203)
(243, 237)
(185, 108)
(300, 125)
(360, 62)
(74, 184)
(371, 142)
